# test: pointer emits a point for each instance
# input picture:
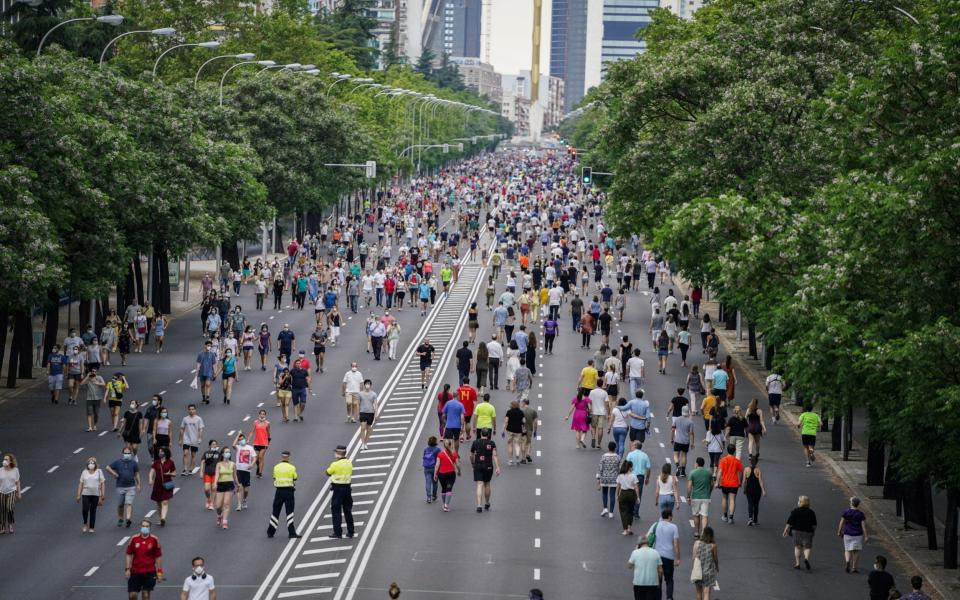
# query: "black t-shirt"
(678, 402)
(285, 338)
(210, 460)
(737, 426)
(425, 351)
(464, 355)
(605, 320)
(131, 423)
(482, 451)
(802, 519)
(880, 583)
(576, 305)
(298, 377)
(515, 420)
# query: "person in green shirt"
(809, 424)
(484, 416)
(446, 274)
(699, 487)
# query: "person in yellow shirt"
(341, 474)
(284, 479)
(588, 377)
(484, 416)
(706, 407)
(540, 298)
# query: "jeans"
(576, 321)
(667, 576)
(665, 501)
(548, 343)
(494, 372)
(379, 296)
(585, 339)
(430, 485)
(259, 301)
(620, 436)
(608, 494)
(635, 383)
(353, 303)
(389, 301)
(554, 311)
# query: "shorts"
(201, 379)
(258, 448)
(484, 475)
(424, 365)
(451, 433)
(803, 539)
(318, 350)
(700, 507)
(74, 376)
(721, 394)
(192, 449)
(93, 408)
(114, 403)
(729, 490)
(514, 438)
(300, 396)
(209, 478)
(774, 399)
(638, 435)
(351, 398)
(283, 395)
(599, 421)
(141, 582)
(244, 478)
(55, 382)
(125, 495)
(467, 419)
(367, 417)
(655, 334)
(677, 447)
(226, 486)
(809, 440)
(229, 376)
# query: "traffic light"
(371, 169)
(586, 175)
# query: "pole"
(150, 275)
(263, 241)
(273, 236)
(186, 277)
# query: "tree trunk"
(836, 432)
(928, 513)
(752, 339)
(891, 480)
(84, 309)
(950, 530)
(138, 280)
(230, 254)
(16, 348)
(4, 325)
(23, 338)
(121, 297)
(52, 327)
(875, 462)
(161, 279)
(847, 432)
(103, 309)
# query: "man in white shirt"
(635, 372)
(495, 356)
(599, 415)
(199, 585)
(775, 394)
(352, 384)
(555, 298)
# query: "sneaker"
(119, 522)
(510, 462)
(129, 523)
(724, 518)
(479, 510)
(604, 512)
(486, 506)
(334, 536)
(808, 463)
(730, 520)
(446, 508)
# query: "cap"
(341, 448)
(285, 453)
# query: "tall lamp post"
(241, 56)
(209, 45)
(262, 63)
(114, 20)
(163, 31)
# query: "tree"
(350, 30)
(424, 64)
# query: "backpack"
(430, 457)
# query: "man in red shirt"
(467, 395)
(731, 477)
(143, 563)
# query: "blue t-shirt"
(521, 338)
(56, 362)
(206, 360)
(453, 411)
(640, 461)
(424, 291)
(329, 300)
(285, 339)
(126, 472)
(720, 378)
(499, 316)
(640, 407)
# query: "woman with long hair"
(90, 493)
(580, 409)
(225, 477)
(695, 387)
(668, 492)
(628, 490)
(482, 365)
(445, 472)
(160, 478)
(756, 428)
(705, 552)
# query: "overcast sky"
(511, 41)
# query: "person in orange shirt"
(524, 263)
(731, 477)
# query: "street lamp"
(164, 31)
(114, 20)
(262, 63)
(208, 45)
(243, 56)
(287, 66)
(339, 77)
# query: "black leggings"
(753, 507)
(446, 481)
(89, 509)
(585, 339)
(548, 342)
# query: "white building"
(682, 8)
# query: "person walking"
(199, 584)
(143, 563)
(801, 524)
(854, 531)
(580, 409)
(225, 476)
(775, 385)
(284, 480)
(446, 470)
(756, 428)
(682, 434)
(753, 489)
(696, 387)
(706, 564)
(369, 402)
(730, 477)
(668, 492)
(628, 494)
(647, 571)
(91, 494)
(429, 464)
(486, 463)
(809, 424)
(341, 505)
(94, 389)
(916, 583)
(393, 339)
(127, 473)
(699, 487)
(879, 582)
(160, 478)
(736, 430)
(666, 541)
(607, 472)
(619, 425)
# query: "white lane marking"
(272, 317)
(325, 550)
(403, 403)
(150, 514)
(392, 456)
(356, 512)
(26, 489)
(330, 526)
(123, 540)
(78, 450)
(178, 381)
(536, 574)
(231, 432)
(370, 493)
(536, 542)
(366, 475)
(175, 490)
(193, 370)
(383, 435)
(656, 430)
(313, 577)
(196, 470)
(366, 484)
(386, 443)
(367, 467)
(683, 499)
(538, 473)
(538, 454)
(162, 392)
(540, 384)
(661, 444)
(91, 571)
(539, 395)
(259, 405)
(309, 592)
(273, 393)
(102, 433)
(320, 563)
(378, 429)
(536, 515)
(53, 468)
(246, 418)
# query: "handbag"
(652, 535)
(169, 485)
(696, 573)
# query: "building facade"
(480, 77)
(453, 27)
(622, 19)
(568, 47)
(682, 8)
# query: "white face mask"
(198, 570)
(91, 466)
(6, 462)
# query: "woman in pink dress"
(580, 409)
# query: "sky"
(511, 39)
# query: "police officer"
(284, 478)
(341, 472)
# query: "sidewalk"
(906, 546)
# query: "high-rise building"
(453, 27)
(480, 77)
(682, 8)
(568, 47)
(622, 19)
